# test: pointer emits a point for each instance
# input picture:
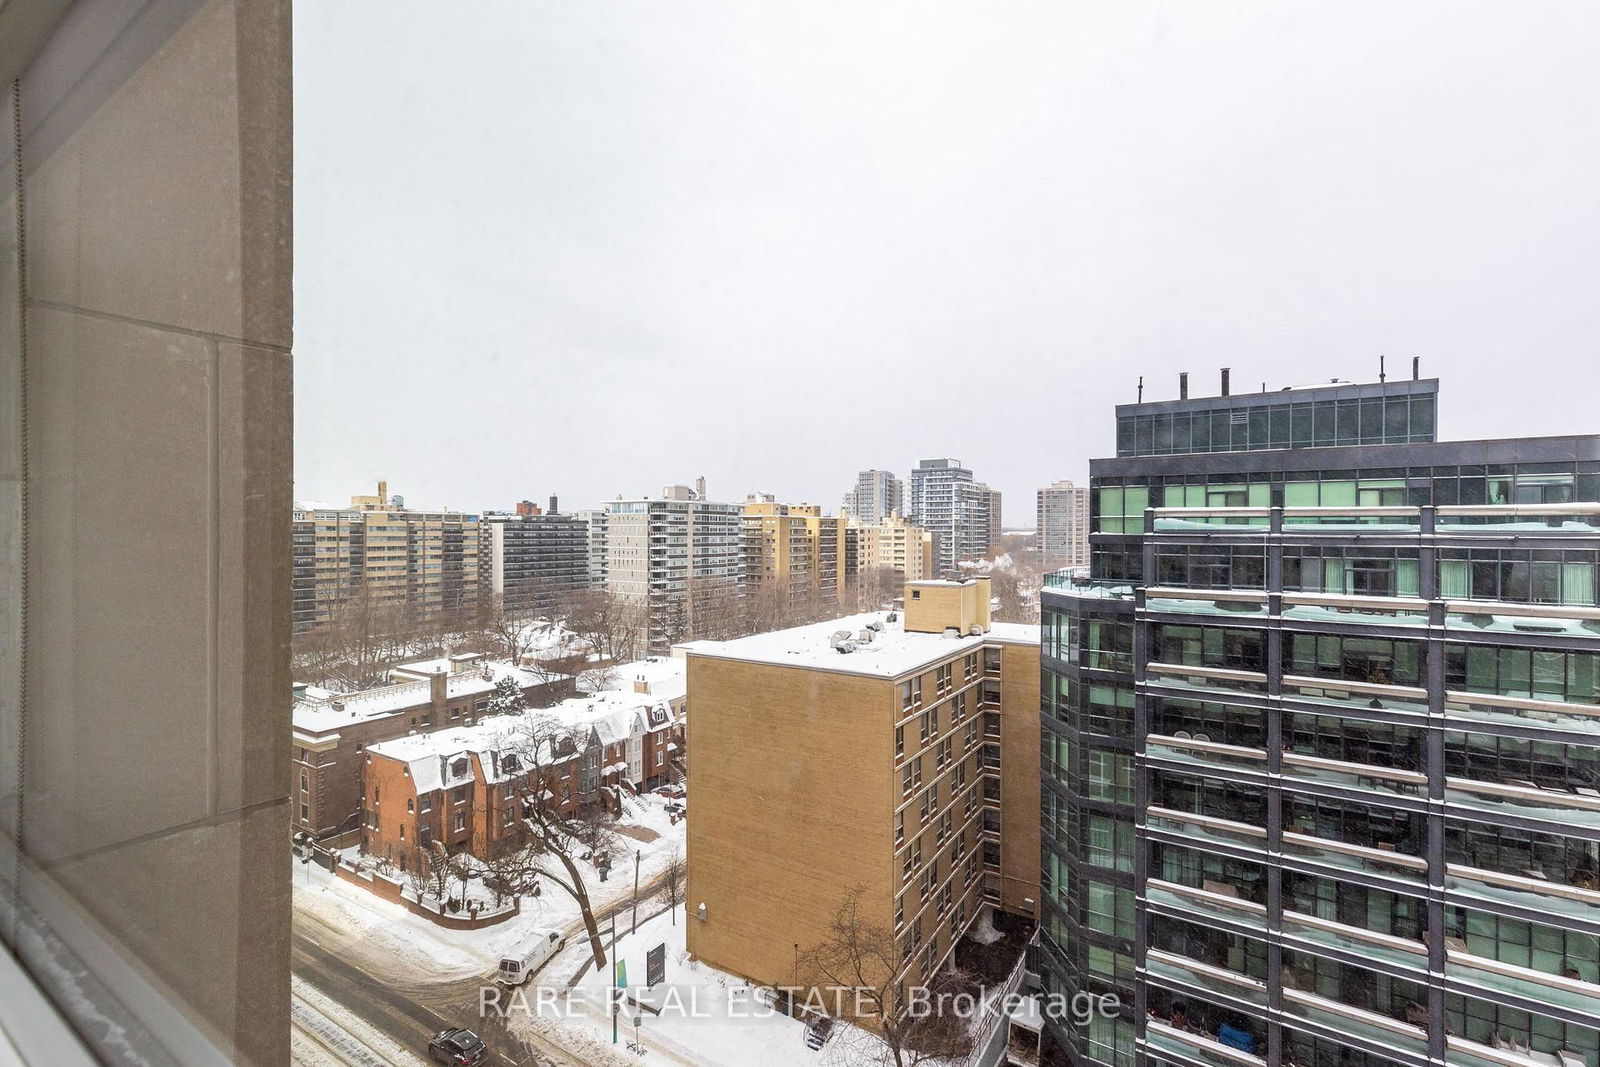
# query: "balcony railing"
(1355, 857)
(1469, 520)
(1316, 933)
(1523, 711)
(1206, 828)
(1344, 1019)
(1354, 775)
(1172, 969)
(1492, 976)
(1190, 1046)
(1206, 905)
(1527, 802)
(1207, 755)
(1205, 679)
(1461, 1052)
(1533, 890)
(1340, 692)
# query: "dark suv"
(457, 1046)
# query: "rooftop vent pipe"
(1225, 381)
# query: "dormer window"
(458, 768)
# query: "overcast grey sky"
(590, 248)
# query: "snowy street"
(399, 978)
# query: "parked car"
(458, 1046)
(519, 967)
(671, 792)
(818, 1031)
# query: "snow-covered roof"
(667, 676)
(320, 710)
(613, 716)
(890, 653)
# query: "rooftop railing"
(1459, 519)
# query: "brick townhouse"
(331, 730)
(460, 789)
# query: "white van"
(514, 970)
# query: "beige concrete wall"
(933, 606)
(1019, 778)
(791, 792)
(156, 165)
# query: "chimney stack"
(438, 689)
(1382, 374)
(1224, 381)
(1183, 385)
(700, 487)
(383, 493)
(1416, 368)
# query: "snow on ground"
(705, 1016)
(320, 1022)
(420, 950)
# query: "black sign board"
(655, 966)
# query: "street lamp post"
(614, 977)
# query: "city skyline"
(1037, 204)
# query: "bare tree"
(417, 875)
(716, 610)
(606, 628)
(673, 877)
(1014, 582)
(514, 634)
(877, 586)
(460, 868)
(434, 872)
(861, 955)
(510, 869)
(558, 840)
(359, 638)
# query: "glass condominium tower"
(1321, 741)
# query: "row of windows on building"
(1355, 421)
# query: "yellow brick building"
(817, 771)
(794, 556)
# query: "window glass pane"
(1338, 494)
(1300, 494)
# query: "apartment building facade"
(679, 560)
(1062, 516)
(897, 544)
(594, 524)
(795, 556)
(905, 765)
(877, 495)
(412, 565)
(531, 561)
(331, 731)
(1321, 772)
(944, 499)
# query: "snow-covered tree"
(507, 698)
